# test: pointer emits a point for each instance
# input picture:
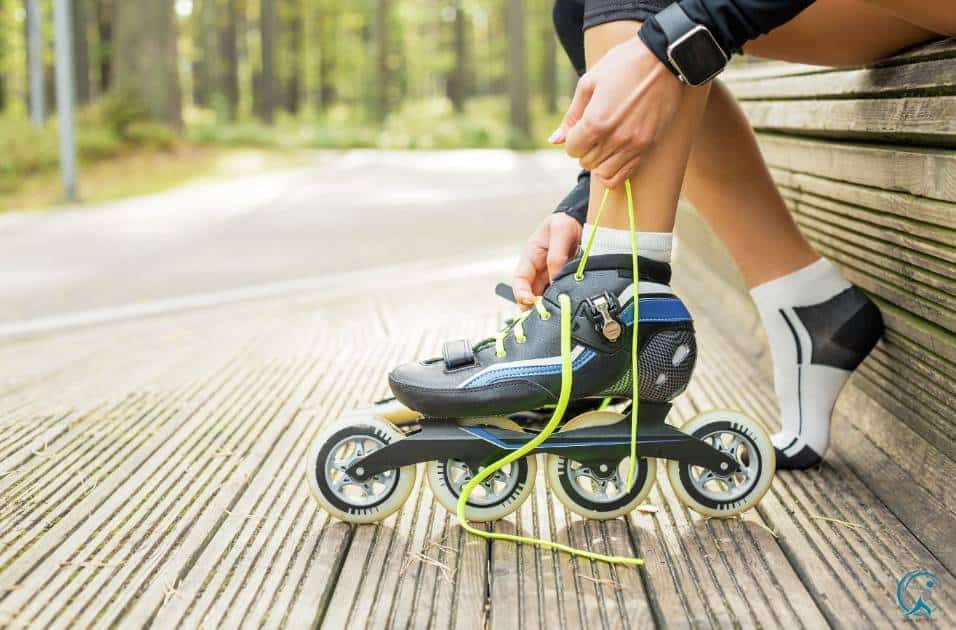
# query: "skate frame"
(478, 445)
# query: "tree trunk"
(381, 56)
(81, 58)
(549, 69)
(293, 25)
(520, 116)
(145, 56)
(3, 52)
(104, 44)
(203, 14)
(229, 54)
(458, 80)
(328, 29)
(267, 32)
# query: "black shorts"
(572, 17)
(601, 11)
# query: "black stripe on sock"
(796, 340)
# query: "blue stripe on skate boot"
(657, 310)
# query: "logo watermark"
(914, 593)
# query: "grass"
(143, 172)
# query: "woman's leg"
(659, 175)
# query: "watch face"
(698, 56)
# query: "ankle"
(654, 245)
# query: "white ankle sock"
(653, 245)
(806, 390)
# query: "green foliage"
(25, 150)
(150, 135)
(107, 129)
(121, 109)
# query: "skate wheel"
(744, 439)
(352, 500)
(500, 495)
(598, 490)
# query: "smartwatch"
(692, 50)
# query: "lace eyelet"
(501, 355)
(546, 316)
(521, 339)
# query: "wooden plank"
(908, 269)
(889, 288)
(920, 216)
(933, 77)
(916, 457)
(929, 121)
(918, 171)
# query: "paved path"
(352, 211)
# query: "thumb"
(582, 96)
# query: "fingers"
(532, 266)
(616, 169)
(582, 96)
(565, 237)
(524, 275)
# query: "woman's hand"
(620, 107)
(548, 248)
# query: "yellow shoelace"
(564, 398)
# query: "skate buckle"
(608, 326)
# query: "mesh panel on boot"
(665, 366)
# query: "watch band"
(674, 22)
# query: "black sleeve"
(732, 22)
(575, 203)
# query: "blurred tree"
(3, 57)
(292, 19)
(145, 60)
(267, 71)
(81, 59)
(548, 68)
(230, 27)
(458, 79)
(381, 57)
(329, 21)
(104, 43)
(520, 115)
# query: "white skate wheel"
(598, 491)
(337, 447)
(746, 441)
(500, 495)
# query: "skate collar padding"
(567, 371)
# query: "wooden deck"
(151, 474)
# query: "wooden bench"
(865, 159)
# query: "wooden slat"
(929, 121)
(923, 172)
(930, 77)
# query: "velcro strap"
(457, 354)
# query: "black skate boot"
(520, 368)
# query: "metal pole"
(62, 42)
(35, 61)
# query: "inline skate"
(487, 410)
